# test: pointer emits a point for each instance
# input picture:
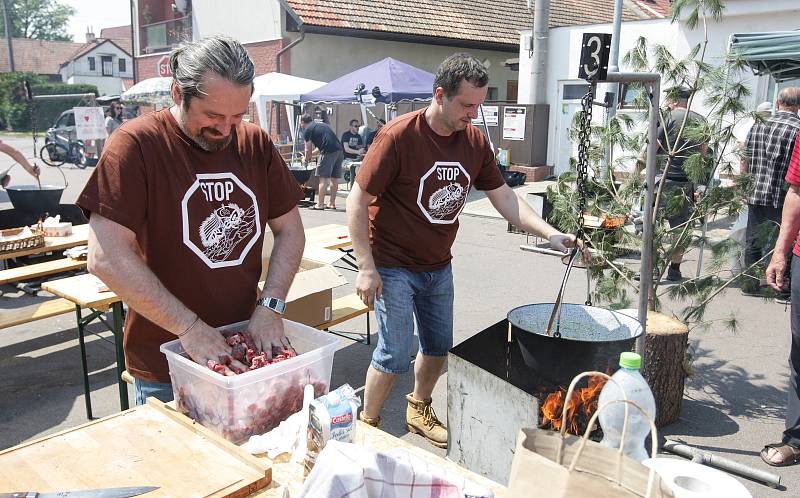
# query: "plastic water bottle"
(611, 419)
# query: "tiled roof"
(116, 32)
(124, 44)
(476, 21)
(660, 7)
(38, 56)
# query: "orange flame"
(583, 403)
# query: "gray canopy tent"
(776, 53)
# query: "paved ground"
(733, 404)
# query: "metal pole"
(541, 21)
(613, 57)
(613, 66)
(646, 269)
(9, 36)
(704, 458)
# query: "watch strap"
(273, 303)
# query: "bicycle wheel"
(78, 157)
(53, 154)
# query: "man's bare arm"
(368, 283)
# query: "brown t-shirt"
(199, 218)
(421, 181)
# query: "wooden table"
(331, 236)
(289, 476)
(82, 290)
(79, 237)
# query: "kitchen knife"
(86, 493)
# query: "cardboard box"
(310, 297)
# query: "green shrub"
(15, 112)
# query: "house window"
(122, 65)
(91, 64)
(108, 65)
(575, 91)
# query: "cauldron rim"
(637, 332)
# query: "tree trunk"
(664, 368)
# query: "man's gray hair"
(218, 54)
(457, 68)
(789, 97)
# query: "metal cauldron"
(30, 199)
(591, 339)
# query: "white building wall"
(247, 20)
(741, 17)
(105, 85)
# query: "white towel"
(352, 471)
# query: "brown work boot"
(420, 419)
(374, 422)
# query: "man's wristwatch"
(273, 303)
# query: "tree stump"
(665, 364)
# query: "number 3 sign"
(594, 56)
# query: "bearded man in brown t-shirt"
(403, 218)
(179, 205)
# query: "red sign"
(163, 67)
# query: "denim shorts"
(409, 297)
(144, 389)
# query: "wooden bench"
(29, 272)
(33, 312)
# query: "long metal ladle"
(557, 304)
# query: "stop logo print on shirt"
(443, 192)
(220, 219)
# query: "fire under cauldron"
(495, 379)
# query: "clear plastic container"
(611, 419)
(256, 401)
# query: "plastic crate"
(256, 401)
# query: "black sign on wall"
(594, 56)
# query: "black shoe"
(674, 273)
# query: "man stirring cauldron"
(403, 218)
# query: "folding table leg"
(84, 365)
(116, 310)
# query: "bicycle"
(55, 154)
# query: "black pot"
(30, 199)
(591, 339)
(301, 175)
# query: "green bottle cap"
(630, 360)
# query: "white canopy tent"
(279, 87)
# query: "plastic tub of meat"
(256, 401)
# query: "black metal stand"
(116, 329)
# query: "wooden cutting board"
(150, 445)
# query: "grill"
(494, 385)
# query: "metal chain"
(584, 138)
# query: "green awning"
(776, 53)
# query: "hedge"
(15, 112)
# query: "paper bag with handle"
(560, 465)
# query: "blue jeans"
(409, 297)
(144, 389)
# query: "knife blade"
(86, 493)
